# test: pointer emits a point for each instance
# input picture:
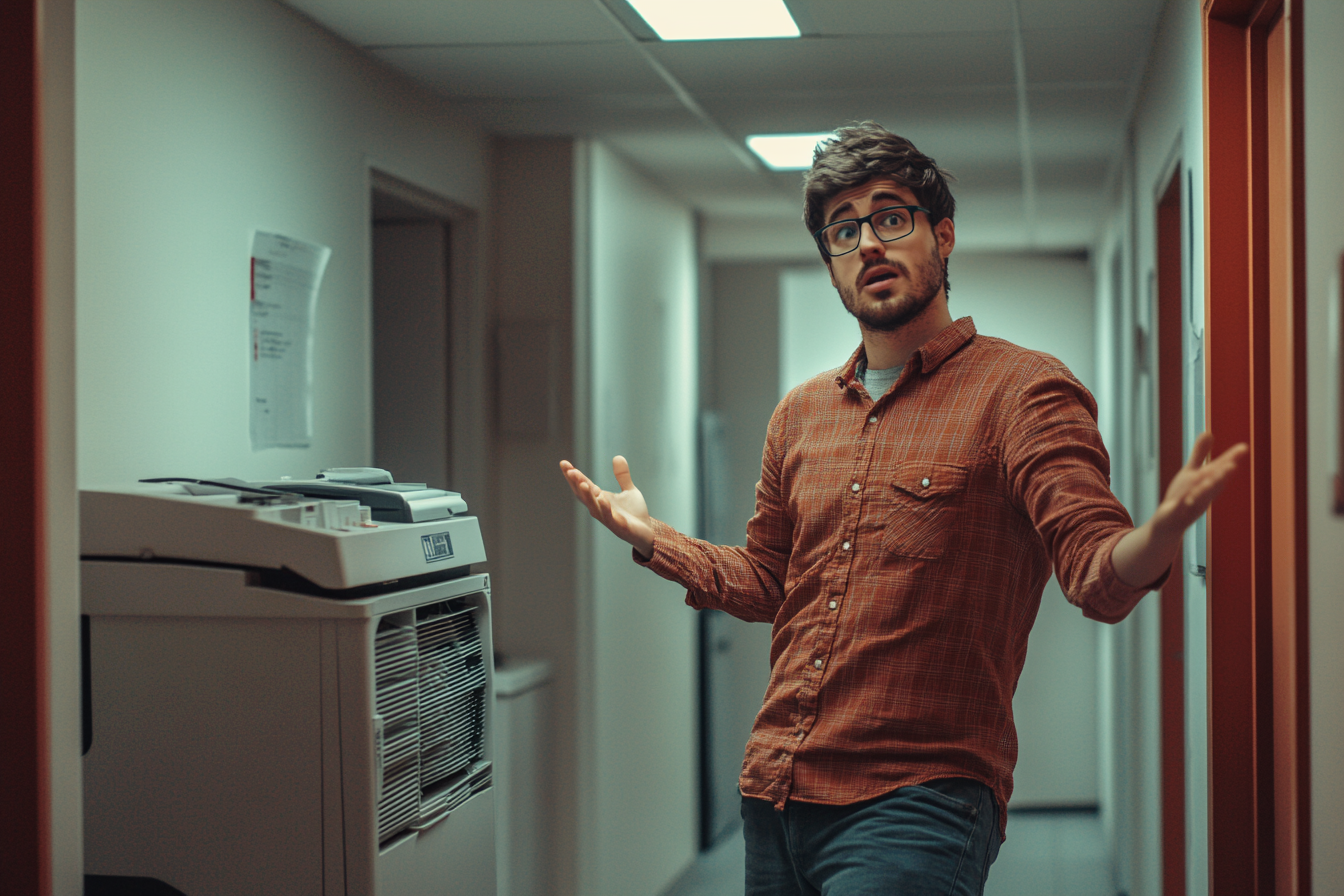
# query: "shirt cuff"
(664, 558)
(1115, 598)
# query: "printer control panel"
(336, 539)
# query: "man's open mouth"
(877, 276)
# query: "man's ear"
(946, 234)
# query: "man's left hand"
(1146, 552)
(1193, 489)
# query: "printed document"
(286, 274)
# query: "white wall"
(745, 383)
(1166, 135)
(638, 812)
(613, 282)
(533, 533)
(1043, 301)
(816, 333)
(1323, 73)
(196, 124)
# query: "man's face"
(887, 285)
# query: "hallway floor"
(1047, 854)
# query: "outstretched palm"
(1142, 554)
(623, 512)
(1196, 484)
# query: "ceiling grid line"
(1036, 150)
(1024, 127)
(1133, 91)
(739, 151)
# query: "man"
(909, 512)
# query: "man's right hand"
(624, 512)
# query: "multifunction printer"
(288, 688)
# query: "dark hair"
(859, 153)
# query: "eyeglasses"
(890, 223)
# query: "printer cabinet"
(238, 747)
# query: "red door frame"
(25, 836)
(1254, 328)
(1171, 451)
(1286, 330)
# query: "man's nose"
(869, 244)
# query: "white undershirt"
(877, 382)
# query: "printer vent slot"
(396, 701)
(430, 693)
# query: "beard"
(895, 311)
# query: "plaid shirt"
(900, 548)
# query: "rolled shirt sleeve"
(1059, 474)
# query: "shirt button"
(834, 604)
(854, 487)
(845, 546)
(925, 483)
(817, 664)
(872, 419)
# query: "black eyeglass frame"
(867, 219)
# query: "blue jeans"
(936, 838)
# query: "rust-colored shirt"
(900, 548)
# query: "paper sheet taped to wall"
(286, 274)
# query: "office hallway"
(1046, 854)
(1146, 192)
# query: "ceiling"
(1025, 101)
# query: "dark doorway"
(412, 366)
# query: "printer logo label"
(437, 546)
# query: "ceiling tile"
(1080, 54)
(1120, 15)
(1080, 122)
(704, 173)
(418, 22)
(680, 151)
(962, 132)
(539, 70)
(871, 17)
(1073, 175)
(784, 111)
(582, 116)
(934, 60)
(1002, 174)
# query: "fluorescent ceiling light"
(785, 152)
(716, 19)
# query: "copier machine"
(288, 689)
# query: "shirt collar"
(925, 359)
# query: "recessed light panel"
(785, 152)
(716, 19)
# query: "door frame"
(1259, 788)
(467, 351)
(25, 741)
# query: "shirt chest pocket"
(926, 501)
